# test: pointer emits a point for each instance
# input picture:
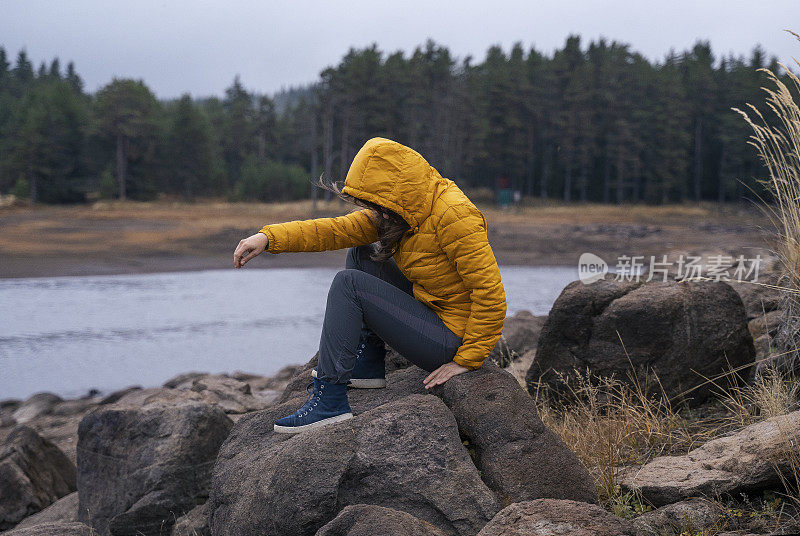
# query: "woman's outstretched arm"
(319, 234)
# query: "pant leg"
(358, 258)
(406, 324)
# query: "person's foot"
(369, 371)
(327, 404)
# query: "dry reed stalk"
(779, 148)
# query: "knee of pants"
(354, 256)
(343, 279)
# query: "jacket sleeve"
(462, 236)
(321, 234)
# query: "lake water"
(71, 334)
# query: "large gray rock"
(520, 334)
(553, 517)
(759, 298)
(397, 455)
(232, 395)
(140, 468)
(58, 528)
(38, 404)
(697, 514)
(60, 424)
(518, 456)
(193, 523)
(683, 332)
(370, 520)
(64, 510)
(745, 461)
(33, 474)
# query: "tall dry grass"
(609, 423)
(778, 145)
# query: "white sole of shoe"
(318, 424)
(361, 383)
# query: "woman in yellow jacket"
(420, 276)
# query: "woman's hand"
(250, 247)
(443, 373)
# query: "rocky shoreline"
(474, 456)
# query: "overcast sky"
(198, 47)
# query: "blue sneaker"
(369, 372)
(326, 404)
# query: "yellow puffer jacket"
(446, 254)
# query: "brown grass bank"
(132, 237)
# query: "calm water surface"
(71, 334)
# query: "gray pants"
(372, 302)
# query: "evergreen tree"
(73, 78)
(127, 111)
(193, 159)
(238, 131)
(46, 152)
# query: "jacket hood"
(396, 177)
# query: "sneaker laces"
(302, 410)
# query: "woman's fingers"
(241, 250)
(248, 248)
(442, 374)
(436, 377)
(432, 375)
(251, 253)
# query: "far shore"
(109, 238)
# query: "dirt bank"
(133, 237)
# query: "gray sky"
(180, 46)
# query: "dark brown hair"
(391, 226)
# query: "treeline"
(600, 124)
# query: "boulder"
(64, 510)
(113, 397)
(684, 332)
(232, 395)
(8, 405)
(7, 421)
(370, 520)
(518, 456)
(757, 298)
(267, 384)
(38, 404)
(560, 517)
(765, 324)
(697, 514)
(54, 529)
(745, 461)
(396, 455)
(183, 378)
(193, 523)
(60, 424)
(33, 474)
(520, 334)
(140, 468)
